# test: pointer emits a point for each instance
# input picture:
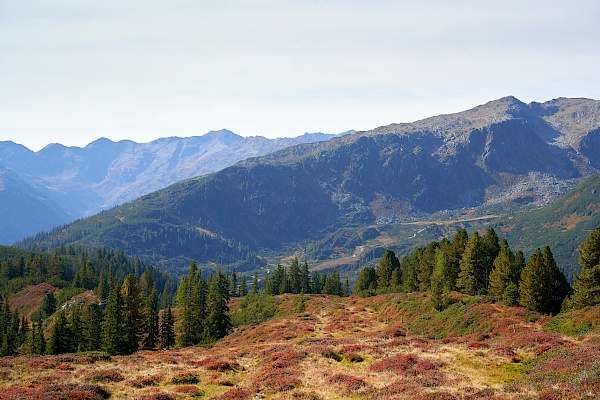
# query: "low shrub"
(184, 377)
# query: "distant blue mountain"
(59, 184)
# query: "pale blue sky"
(72, 71)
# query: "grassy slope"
(390, 346)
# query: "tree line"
(473, 265)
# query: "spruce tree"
(426, 265)
(233, 288)
(387, 264)
(61, 335)
(188, 323)
(305, 284)
(243, 286)
(151, 333)
(92, 323)
(254, 284)
(367, 280)
(502, 271)
(218, 321)
(294, 276)
(133, 316)
(112, 332)
(470, 280)
(543, 286)
(587, 282)
(167, 331)
(490, 249)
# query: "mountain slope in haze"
(104, 173)
(503, 153)
(24, 208)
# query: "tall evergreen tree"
(112, 332)
(587, 283)
(60, 338)
(254, 284)
(367, 280)
(470, 277)
(294, 276)
(502, 272)
(233, 288)
(426, 265)
(387, 264)
(92, 327)
(133, 316)
(490, 249)
(151, 332)
(543, 286)
(167, 331)
(218, 321)
(333, 284)
(243, 286)
(305, 285)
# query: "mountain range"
(502, 156)
(58, 184)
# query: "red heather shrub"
(276, 380)
(213, 364)
(184, 377)
(235, 394)
(41, 363)
(286, 358)
(157, 396)
(478, 345)
(218, 379)
(143, 381)
(189, 390)
(105, 376)
(348, 383)
(398, 363)
(65, 367)
(53, 392)
(352, 348)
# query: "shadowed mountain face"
(103, 174)
(503, 152)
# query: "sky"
(73, 71)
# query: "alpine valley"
(340, 202)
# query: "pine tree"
(38, 343)
(133, 316)
(490, 249)
(254, 284)
(426, 265)
(92, 323)
(60, 337)
(387, 264)
(333, 285)
(48, 306)
(502, 271)
(112, 332)
(455, 253)
(151, 333)
(167, 332)
(587, 283)
(218, 321)
(188, 323)
(543, 286)
(233, 289)
(243, 286)
(367, 280)
(470, 280)
(305, 285)
(294, 276)
(76, 327)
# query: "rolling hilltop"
(502, 155)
